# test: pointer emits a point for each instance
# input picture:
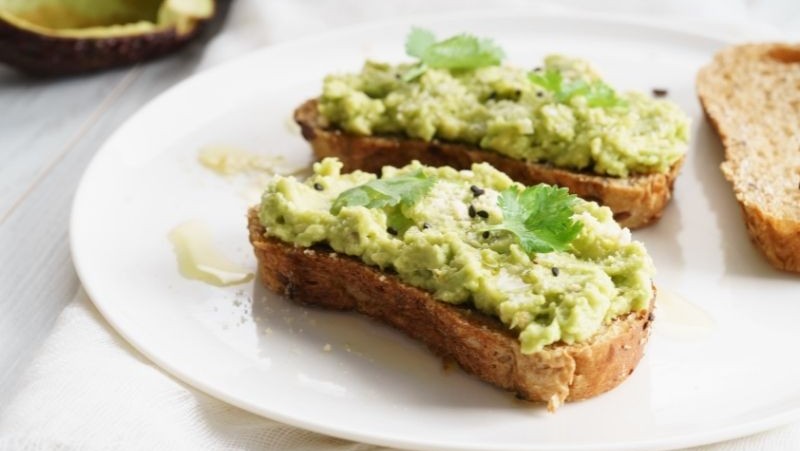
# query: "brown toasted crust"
(636, 201)
(480, 344)
(750, 95)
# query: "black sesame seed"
(318, 187)
(476, 191)
(539, 94)
(537, 69)
(517, 92)
(660, 92)
(391, 230)
(486, 234)
(555, 270)
(492, 96)
(425, 225)
(471, 211)
(483, 214)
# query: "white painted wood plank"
(38, 118)
(36, 275)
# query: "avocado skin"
(47, 56)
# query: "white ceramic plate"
(259, 352)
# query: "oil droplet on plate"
(229, 160)
(199, 260)
(680, 319)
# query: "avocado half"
(60, 37)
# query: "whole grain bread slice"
(636, 201)
(751, 95)
(480, 344)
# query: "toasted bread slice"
(751, 95)
(636, 201)
(480, 344)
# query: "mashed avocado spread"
(562, 113)
(448, 232)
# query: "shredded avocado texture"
(447, 242)
(562, 114)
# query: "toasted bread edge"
(777, 238)
(480, 344)
(636, 201)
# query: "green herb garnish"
(389, 192)
(540, 216)
(597, 93)
(462, 51)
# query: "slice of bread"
(751, 95)
(480, 344)
(636, 201)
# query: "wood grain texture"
(37, 278)
(39, 120)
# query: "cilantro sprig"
(387, 192)
(597, 93)
(463, 51)
(539, 216)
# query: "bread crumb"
(554, 403)
(447, 364)
(327, 347)
(626, 347)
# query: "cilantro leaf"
(597, 93)
(550, 80)
(539, 216)
(389, 192)
(462, 51)
(418, 40)
(414, 72)
(398, 221)
(600, 94)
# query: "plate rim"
(694, 439)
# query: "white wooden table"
(50, 129)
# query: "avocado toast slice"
(636, 201)
(559, 123)
(557, 312)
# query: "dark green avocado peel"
(61, 37)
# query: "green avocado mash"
(448, 244)
(562, 114)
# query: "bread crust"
(749, 94)
(636, 201)
(480, 344)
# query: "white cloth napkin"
(90, 390)
(87, 389)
